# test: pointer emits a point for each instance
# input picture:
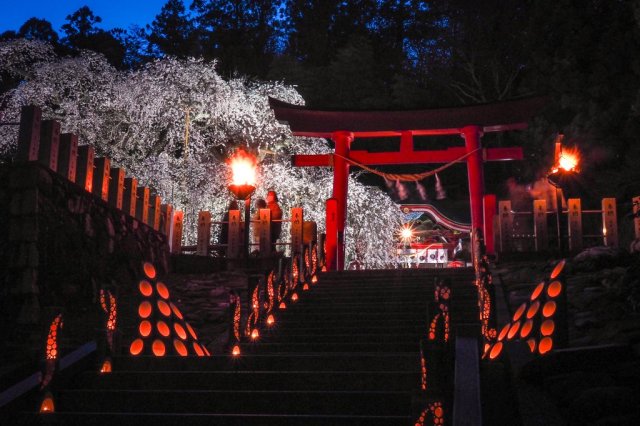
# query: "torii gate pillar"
(472, 135)
(334, 245)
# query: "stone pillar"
(49, 144)
(68, 156)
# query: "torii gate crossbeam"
(344, 126)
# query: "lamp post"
(243, 168)
(566, 166)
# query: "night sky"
(114, 13)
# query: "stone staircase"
(347, 353)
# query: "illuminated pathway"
(347, 353)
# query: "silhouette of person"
(276, 217)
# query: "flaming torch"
(243, 168)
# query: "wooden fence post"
(129, 200)
(101, 177)
(68, 156)
(264, 232)
(204, 233)
(29, 133)
(540, 227)
(609, 222)
(233, 240)
(84, 170)
(574, 211)
(297, 220)
(165, 219)
(49, 144)
(154, 211)
(505, 217)
(116, 187)
(176, 232)
(142, 204)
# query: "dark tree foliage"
(38, 29)
(173, 33)
(81, 32)
(241, 34)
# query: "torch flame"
(243, 167)
(567, 160)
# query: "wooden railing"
(42, 141)
(575, 228)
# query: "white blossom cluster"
(172, 125)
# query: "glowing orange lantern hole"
(136, 347)
(145, 328)
(305, 287)
(533, 309)
(164, 308)
(547, 328)
(192, 332)
(198, 349)
(106, 367)
(181, 349)
(176, 311)
(526, 329)
(549, 309)
(236, 351)
(255, 334)
(282, 305)
(519, 312)
(163, 328)
(145, 288)
(294, 297)
(314, 279)
(537, 291)
(558, 269)
(495, 351)
(513, 330)
(158, 348)
(47, 405)
(144, 310)
(545, 345)
(149, 270)
(503, 332)
(554, 289)
(180, 331)
(163, 291)
(270, 320)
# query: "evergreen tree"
(38, 29)
(172, 32)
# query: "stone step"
(249, 380)
(385, 403)
(207, 419)
(399, 361)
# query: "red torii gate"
(470, 122)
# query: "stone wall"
(60, 244)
